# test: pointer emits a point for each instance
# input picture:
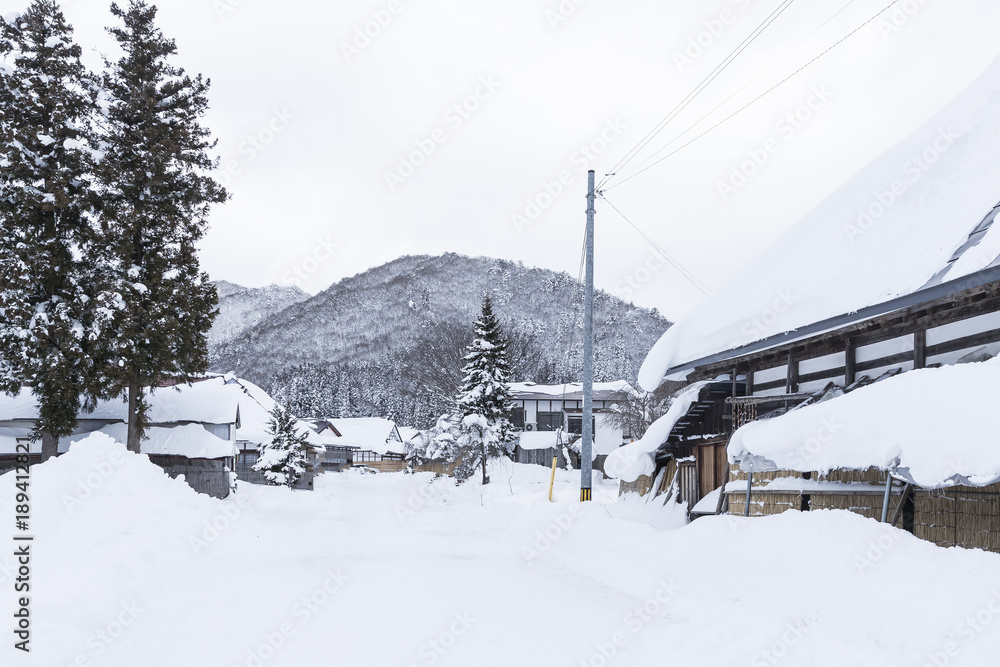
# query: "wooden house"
(370, 441)
(192, 431)
(888, 275)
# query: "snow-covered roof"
(369, 433)
(571, 391)
(9, 435)
(408, 433)
(538, 440)
(21, 406)
(635, 459)
(190, 440)
(210, 401)
(929, 426)
(889, 231)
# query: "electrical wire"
(719, 69)
(755, 100)
(688, 275)
(738, 91)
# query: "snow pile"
(883, 234)
(930, 427)
(633, 460)
(538, 440)
(126, 561)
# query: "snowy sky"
(311, 118)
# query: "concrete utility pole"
(587, 444)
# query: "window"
(517, 418)
(550, 421)
(576, 425)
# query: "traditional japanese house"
(899, 269)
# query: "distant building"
(550, 416)
(371, 441)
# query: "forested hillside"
(389, 342)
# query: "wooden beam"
(984, 299)
(975, 340)
(907, 490)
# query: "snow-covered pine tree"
(157, 189)
(485, 394)
(50, 311)
(283, 460)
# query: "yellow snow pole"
(552, 482)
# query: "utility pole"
(587, 444)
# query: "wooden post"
(920, 349)
(552, 481)
(907, 490)
(722, 494)
(850, 362)
(792, 385)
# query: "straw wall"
(867, 504)
(764, 504)
(959, 516)
(644, 483)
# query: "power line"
(738, 91)
(756, 99)
(719, 69)
(702, 287)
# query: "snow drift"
(931, 427)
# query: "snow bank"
(118, 543)
(930, 427)
(630, 462)
(865, 244)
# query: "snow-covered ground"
(131, 568)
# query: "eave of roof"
(923, 296)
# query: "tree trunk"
(134, 427)
(486, 479)
(50, 446)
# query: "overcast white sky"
(313, 199)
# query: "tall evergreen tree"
(50, 312)
(486, 394)
(158, 190)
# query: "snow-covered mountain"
(389, 324)
(242, 308)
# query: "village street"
(396, 569)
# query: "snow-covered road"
(133, 569)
